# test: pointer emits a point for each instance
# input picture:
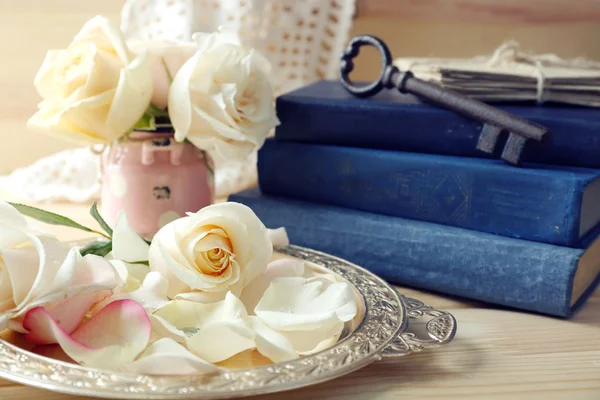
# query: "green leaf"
(146, 263)
(51, 218)
(98, 248)
(96, 214)
(146, 122)
(156, 111)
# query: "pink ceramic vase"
(155, 180)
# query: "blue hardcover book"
(326, 113)
(511, 272)
(557, 205)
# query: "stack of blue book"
(397, 186)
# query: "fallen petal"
(213, 331)
(163, 328)
(285, 267)
(68, 314)
(112, 338)
(278, 237)
(220, 340)
(131, 275)
(301, 304)
(306, 343)
(282, 268)
(151, 295)
(167, 357)
(128, 245)
(202, 296)
(272, 344)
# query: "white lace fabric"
(301, 38)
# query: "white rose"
(38, 270)
(219, 249)
(222, 99)
(94, 91)
(166, 58)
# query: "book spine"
(427, 130)
(483, 196)
(510, 272)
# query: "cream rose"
(95, 90)
(38, 270)
(166, 58)
(221, 98)
(219, 249)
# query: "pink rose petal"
(112, 338)
(68, 314)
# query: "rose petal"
(6, 292)
(112, 338)
(151, 295)
(130, 275)
(22, 266)
(11, 238)
(300, 304)
(40, 261)
(68, 314)
(133, 94)
(167, 357)
(278, 237)
(210, 297)
(127, 245)
(93, 274)
(220, 340)
(179, 104)
(165, 329)
(282, 268)
(272, 344)
(106, 35)
(93, 278)
(285, 267)
(226, 320)
(166, 58)
(310, 342)
(11, 216)
(53, 118)
(251, 243)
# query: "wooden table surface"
(496, 354)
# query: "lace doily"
(301, 38)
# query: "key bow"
(495, 121)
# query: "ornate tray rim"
(385, 319)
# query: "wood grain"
(483, 10)
(497, 354)
(31, 27)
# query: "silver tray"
(387, 325)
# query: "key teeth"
(513, 149)
(488, 139)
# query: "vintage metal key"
(495, 121)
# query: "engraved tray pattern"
(382, 333)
